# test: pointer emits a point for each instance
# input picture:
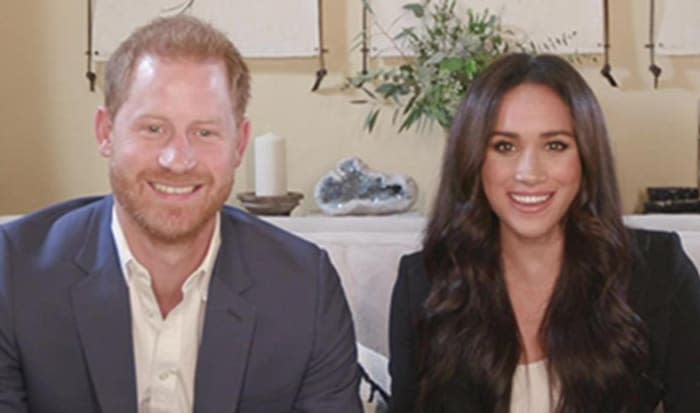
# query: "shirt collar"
(130, 265)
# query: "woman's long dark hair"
(596, 345)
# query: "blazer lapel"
(228, 330)
(103, 316)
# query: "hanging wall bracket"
(90, 73)
(653, 67)
(606, 71)
(365, 40)
(322, 71)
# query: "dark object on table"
(672, 200)
(270, 205)
(671, 193)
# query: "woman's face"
(532, 171)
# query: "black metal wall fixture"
(322, 71)
(90, 73)
(606, 71)
(653, 67)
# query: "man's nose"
(178, 155)
(531, 168)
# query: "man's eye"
(154, 128)
(205, 132)
(557, 146)
(503, 146)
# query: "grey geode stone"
(353, 189)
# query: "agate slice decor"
(354, 189)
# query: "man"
(159, 298)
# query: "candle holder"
(270, 205)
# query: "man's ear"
(242, 141)
(103, 131)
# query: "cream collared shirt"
(165, 349)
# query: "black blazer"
(664, 291)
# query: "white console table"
(366, 251)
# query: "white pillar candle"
(270, 165)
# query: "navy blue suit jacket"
(277, 336)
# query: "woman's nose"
(530, 169)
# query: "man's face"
(173, 147)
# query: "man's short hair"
(177, 37)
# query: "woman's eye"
(557, 146)
(503, 146)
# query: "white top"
(165, 349)
(530, 392)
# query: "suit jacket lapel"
(228, 329)
(103, 316)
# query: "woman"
(530, 294)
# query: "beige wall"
(47, 149)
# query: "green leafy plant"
(443, 54)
